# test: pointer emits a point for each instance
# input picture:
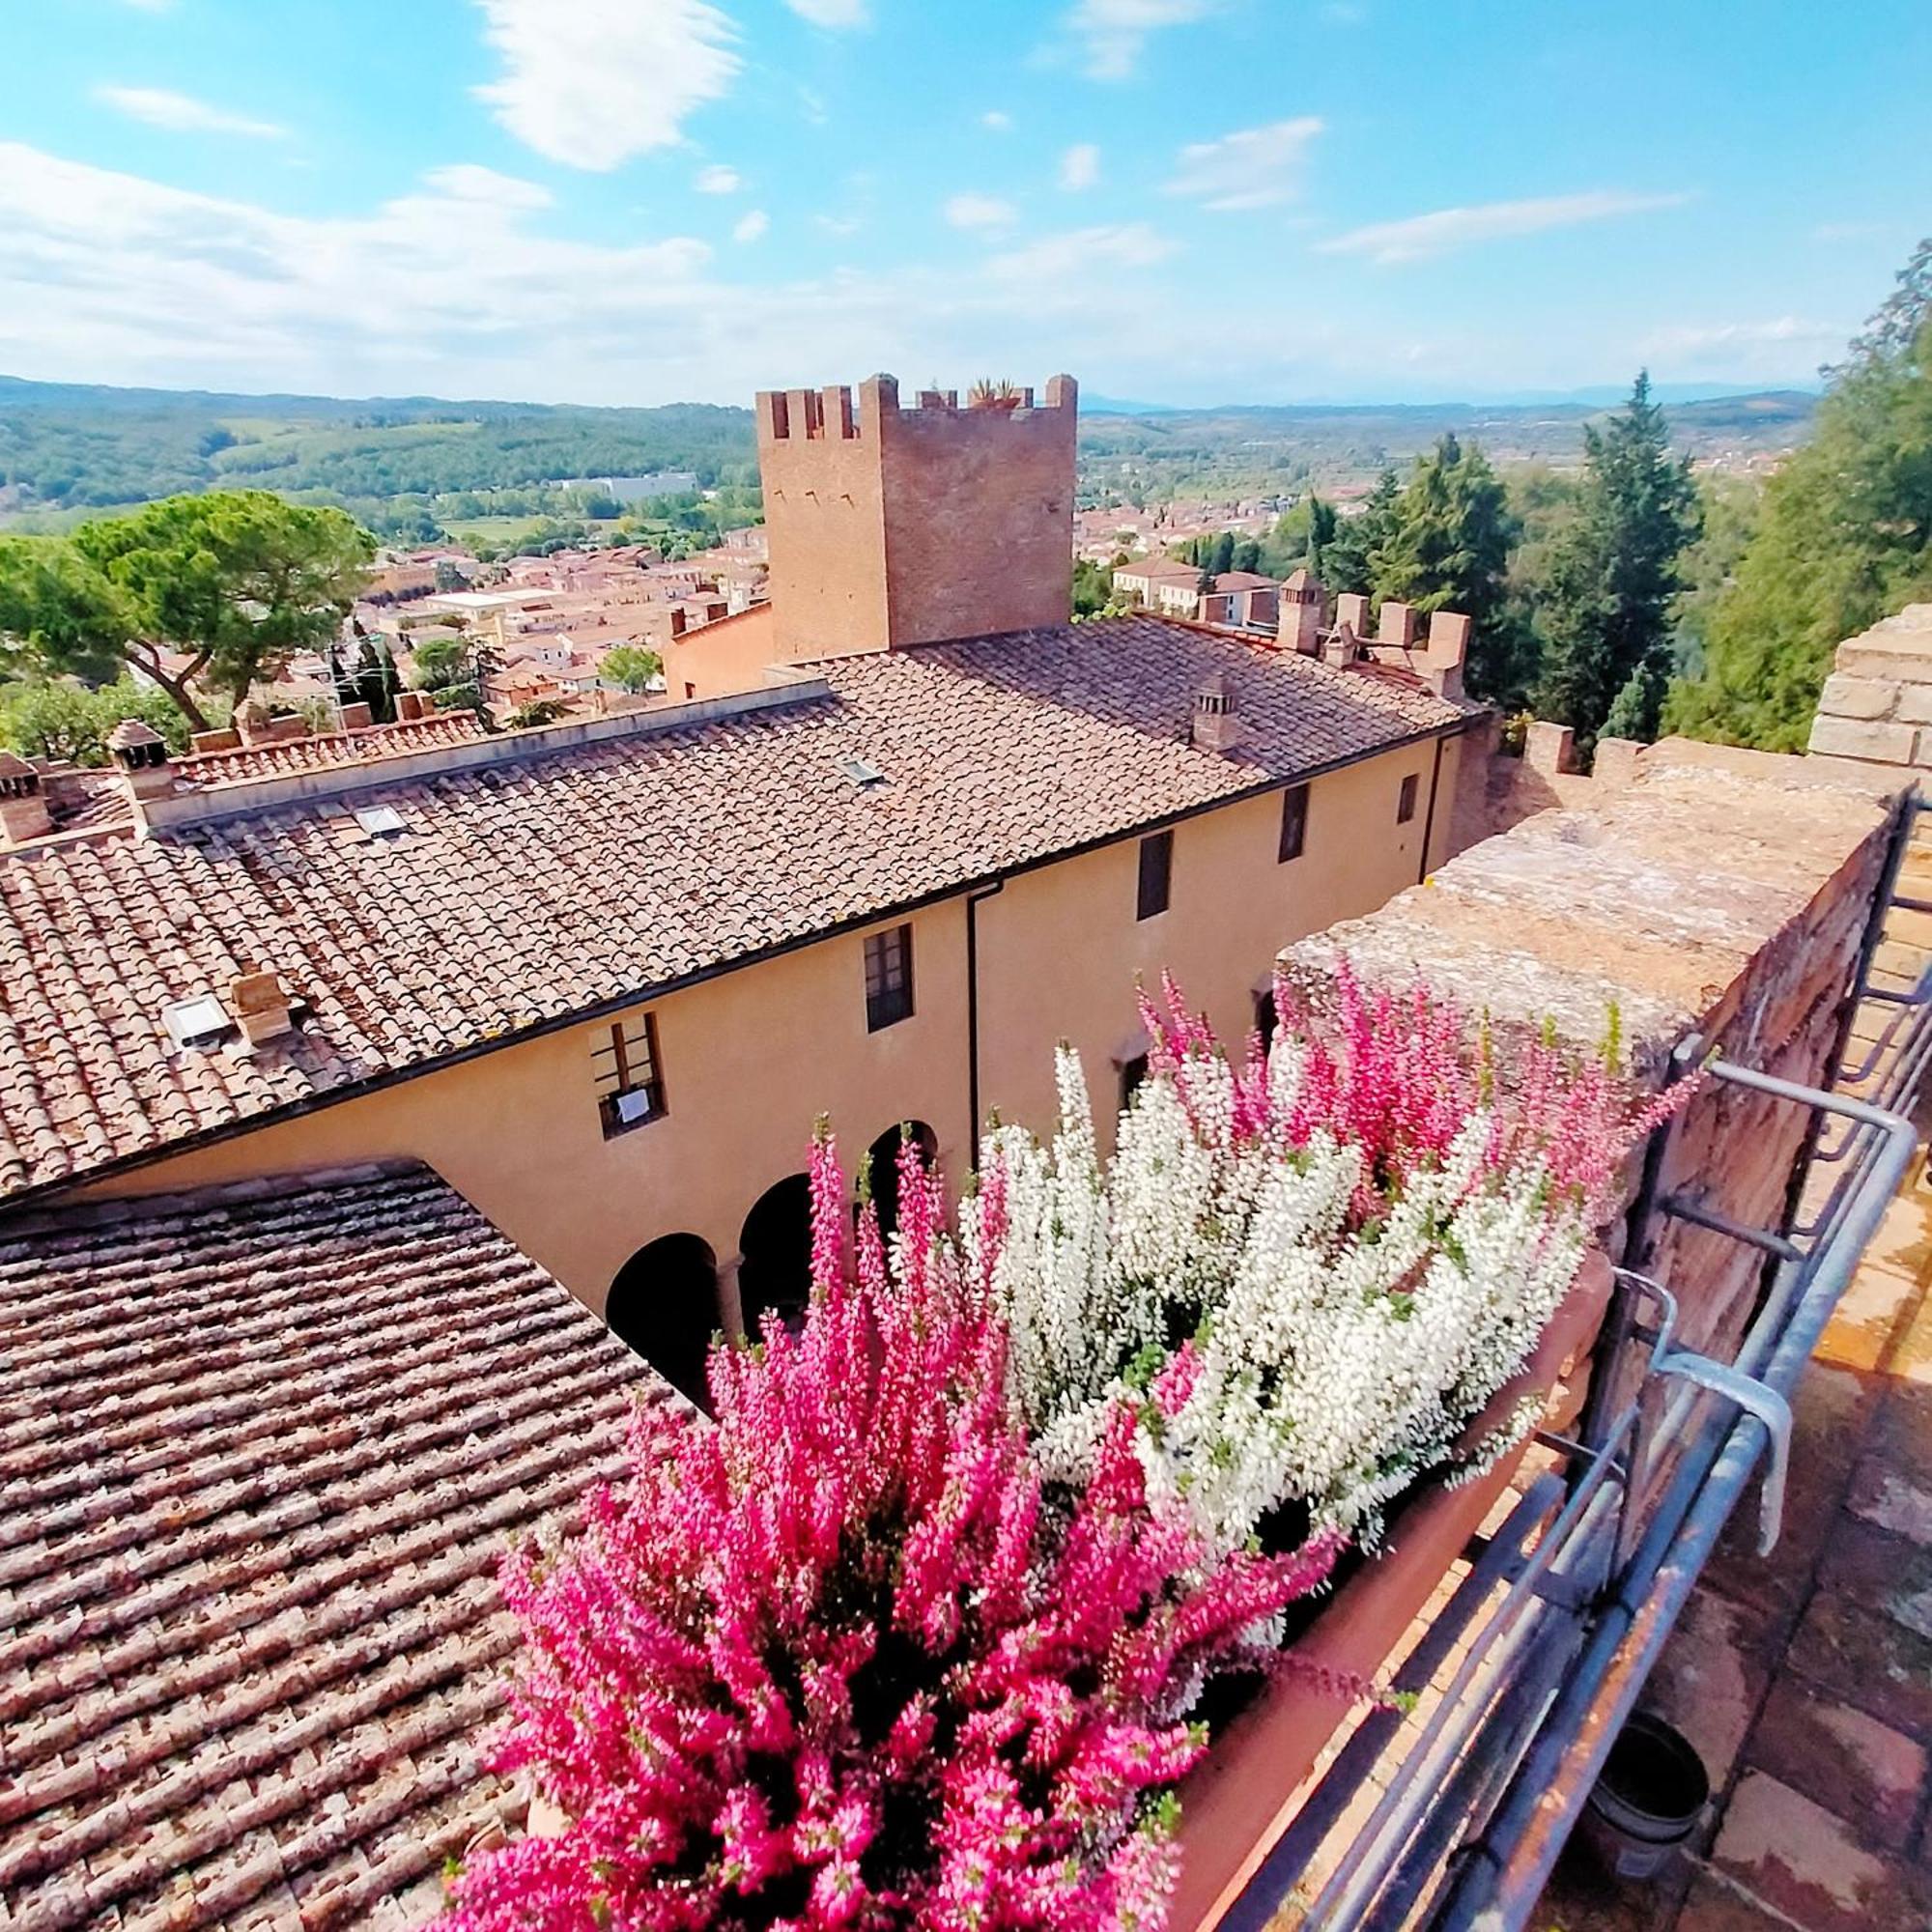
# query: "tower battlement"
(889, 524)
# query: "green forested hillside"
(69, 447)
(66, 448)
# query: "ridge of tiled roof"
(643, 862)
(260, 1449)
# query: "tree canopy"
(1845, 537)
(1613, 571)
(1443, 544)
(233, 583)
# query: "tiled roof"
(521, 894)
(259, 1452)
(90, 801)
(285, 756)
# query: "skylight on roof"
(862, 773)
(381, 821)
(201, 1021)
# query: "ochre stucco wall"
(751, 1058)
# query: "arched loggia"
(883, 1166)
(776, 1244)
(664, 1306)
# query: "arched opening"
(664, 1306)
(883, 1156)
(776, 1271)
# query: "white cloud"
(466, 285)
(1114, 32)
(831, 12)
(1082, 251)
(183, 114)
(718, 181)
(751, 227)
(1422, 235)
(997, 120)
(1255, 168)
(838, 224)
(1080, 167)
(597, 81)
(980, 211)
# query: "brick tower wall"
(890, 526)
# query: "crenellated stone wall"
(1877, 705)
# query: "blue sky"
(1187, 201)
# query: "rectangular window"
(1404, 806)
(1157, 874)
(887, 977)
(1133, 1073)
(630, 1093)
(1294, 823)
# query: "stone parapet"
(1877, 705)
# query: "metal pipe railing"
(1514, 1857)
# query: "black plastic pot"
(1648, 1801)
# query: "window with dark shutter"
(1404, 806)
(1294, 823)
(887, 977)
(630, 1091)
(1133, 1073)
(1156, 875)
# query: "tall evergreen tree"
(1447, 547)
(1605, 609)
(1353, 540)
(1845, 536)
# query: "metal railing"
(1566, 1605)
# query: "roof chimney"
(1401, 625)
(260, 1004)
(1352, 615)
(142, 755)
(1214, 727)
(1299, 624)
(24, 805)
(1443, 655)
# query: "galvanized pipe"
(1513, 1857)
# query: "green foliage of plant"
(439, 663)
(1604, 608)
(1347, 560)
(632, 668)
(1094, 593)
(1845, 537)
(57, 718)
(234, 582)
(537, 712)
(1444, 543)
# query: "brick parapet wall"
(1877, 705)
(1713, 894)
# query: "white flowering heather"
(1312, 1271)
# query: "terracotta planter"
(1245, 1793)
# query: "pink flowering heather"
(829, 1661)
(1401, 1076)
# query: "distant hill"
(75, 448)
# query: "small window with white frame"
(624, 1061)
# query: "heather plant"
(1312, 1267)
(831, 1662)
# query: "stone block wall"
(1877, 705)
(1716, 896)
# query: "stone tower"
(890, 526)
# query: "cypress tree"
(1447, 547)
(1613, 572)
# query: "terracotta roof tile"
(260, 1450)
(282, 757)
(523, 893)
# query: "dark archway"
(883, 1158)
(776, 1273)
(664, 1306)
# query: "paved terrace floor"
(1805, 1679)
